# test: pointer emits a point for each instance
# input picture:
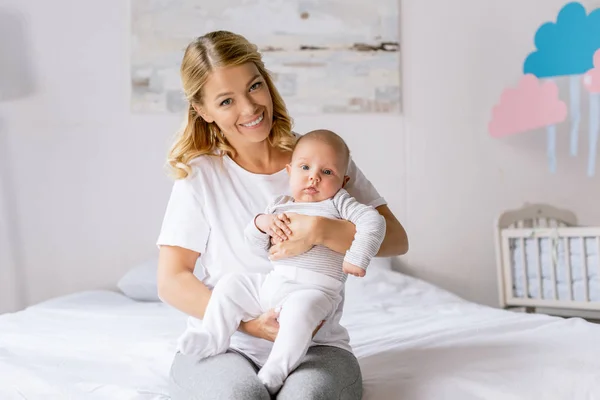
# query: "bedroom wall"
(88, 190)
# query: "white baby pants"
(305, 298)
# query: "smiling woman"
(230, 161)
(232, 99)
(245, 109)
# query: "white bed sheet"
(413, 340)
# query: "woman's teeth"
(255, 122)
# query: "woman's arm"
(395, 242)
(336, 234)
(339, 234)
(177, 284)
(179, 287)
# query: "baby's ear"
(288, 167)
(346, 180)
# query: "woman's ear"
(346, 179)
(203, 114)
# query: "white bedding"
(413, 340)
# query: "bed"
(413, 340)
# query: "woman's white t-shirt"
(207, 213)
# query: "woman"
(229, 161)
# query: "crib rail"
(564, 243)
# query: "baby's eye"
(226, 102)
(304, 167)
(255, 86)
(327, 172)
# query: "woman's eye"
(226, 102)
(327, 172)
(255, 86)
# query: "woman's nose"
(249, 107)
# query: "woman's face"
(237, 99)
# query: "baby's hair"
(332, 139)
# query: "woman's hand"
(265, 326)
(302, 238)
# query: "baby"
(307, 288)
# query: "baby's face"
(316, 171)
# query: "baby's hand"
(352, 269)
(274, 226)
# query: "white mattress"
(413, 340)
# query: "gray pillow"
(140, 283)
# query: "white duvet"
(413, 340)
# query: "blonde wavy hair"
(197, 137)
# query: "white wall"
(9, 296)
(90, 192)
(459, 56)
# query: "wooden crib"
(545, 260)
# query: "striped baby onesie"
(370, 231)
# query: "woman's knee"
(227, 376)
(234, 390)
(251, 389)
(325, 373)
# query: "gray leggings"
(325, 373)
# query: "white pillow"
(139, 283)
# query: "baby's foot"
(271, 382)
(196, 344)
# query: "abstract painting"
(326, 56)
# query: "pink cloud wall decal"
(531, 105)
(591, 79)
